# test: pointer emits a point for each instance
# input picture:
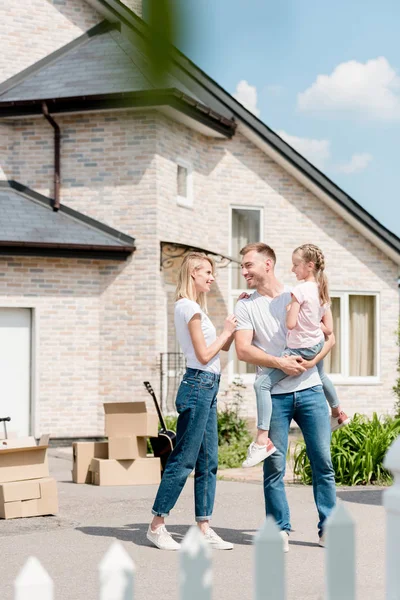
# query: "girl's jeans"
(310, 411)
(196, 446)
(270, 377)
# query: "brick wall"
(120, 168)
(32, 29)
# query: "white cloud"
(246, 94)
(357, 163)
(371, 89)
(318, 152)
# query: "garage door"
(15, 369)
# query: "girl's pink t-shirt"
(307, 332)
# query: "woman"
(196, 403)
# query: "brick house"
(108, 181)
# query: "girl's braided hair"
(311, 253)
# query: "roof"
(99, 70)
(192, 91)
(30, 226)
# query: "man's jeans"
(196, 446)
(310, 411)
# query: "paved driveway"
(71, 545)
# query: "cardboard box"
(129, 419)
(127, 448)
(15, 501)
(142, 471)
(17, 442)
(83, 452)
(19, 464)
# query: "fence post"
(33, 582)
(116, 571)
(269, 562)
(391, 501)
(195, 567)
(340, 555)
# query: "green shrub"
(233, 434)
(396, 387)
(357, 451)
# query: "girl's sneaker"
(256, 454)
(340, 421)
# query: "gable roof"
(101, 70)
(193, 93)
(29, 226)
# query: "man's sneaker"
(321, 540)
(340, 421)
(285, 538)
(256, 454)
(215, 541)
(162, 539)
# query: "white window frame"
(186, 202)
(343, 378)
(247, 378)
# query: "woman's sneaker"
(162, 539)
(256, 454)
(339, 421)
(215, 541)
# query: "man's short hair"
(261, 248)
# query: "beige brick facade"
(100, 326)
(32, 29)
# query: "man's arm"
(291, 365)
(329, 343)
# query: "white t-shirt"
(267, 318)
(184, 310)
(307, 332)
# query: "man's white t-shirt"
(266, 317)
(185, 309)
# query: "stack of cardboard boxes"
(122, 459)
(26, 490)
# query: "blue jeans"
(270, 377)
(310, 411)
(329, 388)
(196, 446)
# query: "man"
(260, 339)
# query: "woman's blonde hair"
(185, 287)
(311, 253)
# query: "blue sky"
(324, 76)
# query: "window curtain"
(332, 362)
(362, 336)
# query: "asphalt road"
(71, 544)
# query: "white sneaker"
(256, 454)
(215, 541)
(321, 540)
(162, 539)
(285, 538)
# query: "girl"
(196, 403)
(309, 320)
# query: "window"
(245, 229)
(355, 357)
(184, 192)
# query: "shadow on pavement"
(136, 533)
(360, 496)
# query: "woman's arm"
(203, 352)
(292, 313)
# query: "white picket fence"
(117, 571)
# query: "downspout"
(57, 138)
